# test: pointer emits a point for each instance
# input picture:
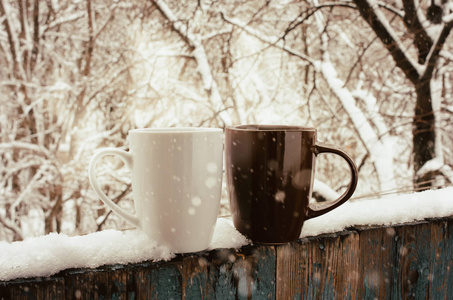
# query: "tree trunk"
(424, 134)
(419, 73)
(53, 219)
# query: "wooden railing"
(400, 262)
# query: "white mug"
(176, 184)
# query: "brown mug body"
(270, 173)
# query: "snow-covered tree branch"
(198, 51)
(430, 33)
(374, 77)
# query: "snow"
(32, 223)
(226, 236)
(436, 164)
(379, 147)
(430, 166)
(324, 190)
(384, 211)
(449, 18)
(378, 144)
(47, 255)
(52, 253)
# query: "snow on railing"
(50, 254)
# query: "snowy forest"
(374, 77)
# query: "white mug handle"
(127, 159)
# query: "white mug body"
(176, 184)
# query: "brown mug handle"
(322, 209)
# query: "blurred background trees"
(374, 78)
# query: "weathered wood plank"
(36, 288)
(348, 271)
(377, 250)
(224, 285)
(412, 261)
(326, 267)
(106, 283)
(262, 263)
(291, 270)
(441, 270)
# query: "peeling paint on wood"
(412, 261)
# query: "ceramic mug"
(270, 173)
(176, 184)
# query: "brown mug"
(270, 173)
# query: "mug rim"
(265, 127)
(175, 130)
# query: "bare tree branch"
(435, 49)
(11, 39)
(374, 17)
(36, 35)
(414, 20)
(199, 53)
